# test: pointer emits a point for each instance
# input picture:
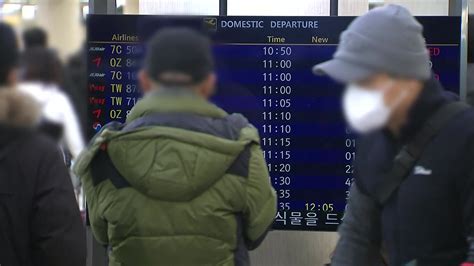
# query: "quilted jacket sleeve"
(261, 200)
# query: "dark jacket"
(431, 216)
(40, 222)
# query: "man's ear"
(146, 84)
(208, 86)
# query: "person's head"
(35, 37)
(41, 65)
(8, 56)
(179, 58)
(383, 58)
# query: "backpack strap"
(411, 152)
(102, 168)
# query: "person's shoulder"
(468, 114)
(37, 144)
(33, 89)
(464, 121)
(238, 120)
(459, 132)
(33, 153)
(243, 127)
(370, 139)
(58, 96)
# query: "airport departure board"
(264, 72)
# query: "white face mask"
(365, 109)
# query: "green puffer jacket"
(181, 183)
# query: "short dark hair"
(35, 37)
(41, 64)
(8, 52)
(179, 57)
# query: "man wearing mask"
(414, 174)
(182, 182)
(40, 223)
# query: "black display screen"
(264, 72)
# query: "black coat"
(431, 216)
(40, 222)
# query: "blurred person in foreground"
(35, 37)
(41, 74)
(182, 182)
(40, 222)
(425, 216)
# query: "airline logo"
(210, 23)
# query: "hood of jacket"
(174, 146)
(18, 112)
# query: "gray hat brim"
(342, 71)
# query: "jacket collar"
(9, 135)
(432, 97)
(18, 114)
(178, 100)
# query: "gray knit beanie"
(385, 40)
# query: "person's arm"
(57, 232)
(100, 167)
(261, 201)
(360, 232)
(91, 169)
